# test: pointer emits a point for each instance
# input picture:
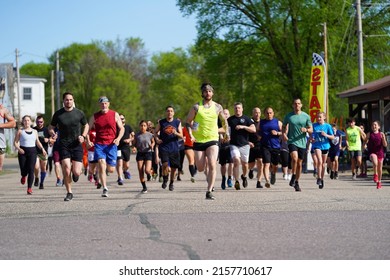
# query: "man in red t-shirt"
(109, 130)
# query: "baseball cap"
(103, 99)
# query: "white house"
(32, 96)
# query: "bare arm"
(38, 143)
(11, 123)
(190, 118)
(17, 142)
(179, 132)
(156, 133)
(121, 129)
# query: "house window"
(27, 93)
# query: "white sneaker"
(288, 177)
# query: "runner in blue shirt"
(321, 137)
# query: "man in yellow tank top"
(202, 126)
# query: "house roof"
(366, 88)
(28, 77)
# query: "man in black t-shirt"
(73, 128)
(44, 137)
(240, 128)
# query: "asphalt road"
(347, 220)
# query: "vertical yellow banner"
(317, 100)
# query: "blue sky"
(37, 28)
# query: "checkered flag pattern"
(317, 60)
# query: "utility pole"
(58, 80)
(52, 93)
(360, 41)
(18, 85)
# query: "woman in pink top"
(376, 142)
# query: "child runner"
(144, 142)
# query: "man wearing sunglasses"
(44, 138)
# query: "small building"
(32, 96)
(370, 102)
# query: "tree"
(173, 81)
(282, 35)
(89, 74)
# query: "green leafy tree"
(90, 74)
(282, 35)
(173, 81)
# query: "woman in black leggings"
(26, 141)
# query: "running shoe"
(258, 185)
(36, 182)
(210, 196)
(250, 175)
(144, 190)
(105, 192)
(321, 185)
(127, 175)
(23, 180)
(375, 178)
(331, 174)
(237, 185)
(90, 178)
(171, 187)
(229, 182)
(59, 182)
(267, 185)
(164, 185)
(120, 181)
(378, 185)
(192, 179)
(223, 184)
(68, 197)
(41, 186)
(296, 187)
(29, 191)
(244, 181)
(292, 181)
(98, 185)
(273, 178)
(318, 181)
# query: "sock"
(43, 176)
(192, 170)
